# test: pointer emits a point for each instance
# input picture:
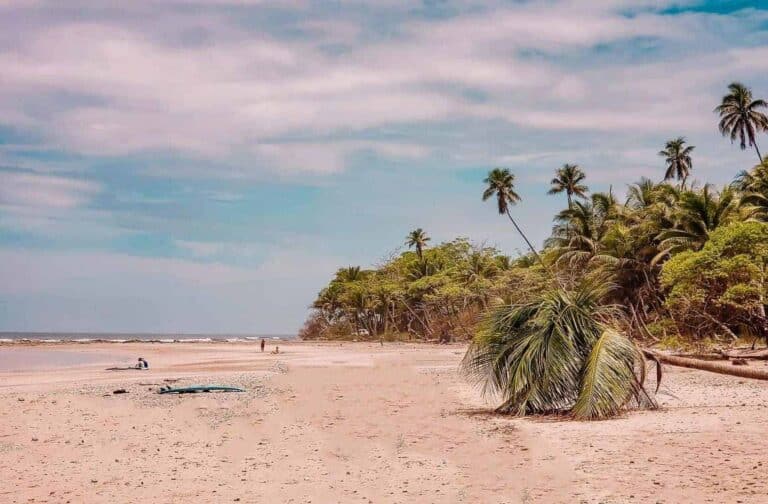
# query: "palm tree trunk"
(754, 143)
(711, 366)
(526, 240)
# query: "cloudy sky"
(204, 166)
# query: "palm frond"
(609, 380)
(539, 357)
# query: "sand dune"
(362, 423)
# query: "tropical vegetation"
(565, 327)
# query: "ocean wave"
(54, 338)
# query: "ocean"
(61, 337)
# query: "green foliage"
(436, 294)
(723, 285)
(557, 353)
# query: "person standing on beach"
(263, 344)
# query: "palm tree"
(556, 354)
(678, 158)
(739, 117)
(417, 238)
(753, 186)
(698, 213)
(349, 274)
(568, 180)
(576, 235)
(501, 183)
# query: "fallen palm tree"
(709, 365)
(559, 353)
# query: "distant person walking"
(263, 344)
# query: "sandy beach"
(352, 422)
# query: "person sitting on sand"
(142, 364)
(276, 350)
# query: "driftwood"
(711, 366)
(745, 354)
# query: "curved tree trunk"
(530, 246)
(711, 366)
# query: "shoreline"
(58, 341)
(357, 422)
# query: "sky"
(205, 166)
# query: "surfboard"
(198, 388)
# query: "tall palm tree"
(501, 183)
(678, 158)
(568, 179)
(739, 116)
(417, 238)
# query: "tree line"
(672, 252)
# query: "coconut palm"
(754, 180)
(479, 267)
(417, 238)
(698, 213)
(349, 274)
(568, 179)
(576, 234)
(678, 158)
(753, 185)
(642, 194)
(328, 301)
(740, 118)
(558, 353)
(501, 183)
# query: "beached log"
(711, 366)
(746, 354)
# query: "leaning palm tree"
(678, 158)
(568, 179)
(501, 183)
(740, 118)
(417, 238)
(558, 354)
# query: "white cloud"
(30, 190)
(231, 96)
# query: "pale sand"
(330, 423)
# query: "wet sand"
(359, 422)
